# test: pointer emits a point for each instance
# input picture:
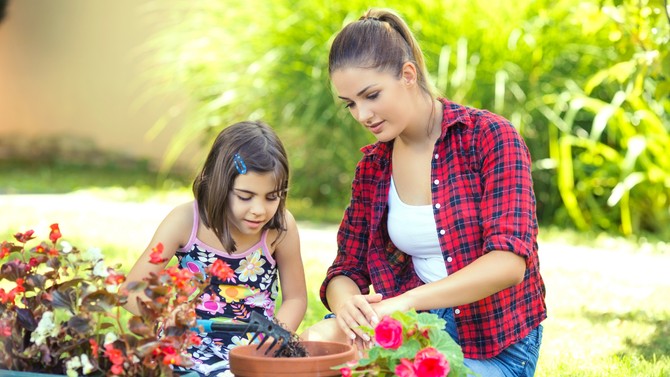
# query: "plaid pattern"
(482, 182)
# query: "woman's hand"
(355, 312)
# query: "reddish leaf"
(79, 324)
(64, 298)
(99, 301)
(26, 319)
(138, 327)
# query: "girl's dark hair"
(380, 39)
(262, 151)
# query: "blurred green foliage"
(586, 83)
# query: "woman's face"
(377, 100)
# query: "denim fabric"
(517, 360)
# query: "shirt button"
(437, 205)
(437, 156)
(436, 182)
(457, 311)
(449, 259)
(442, 232)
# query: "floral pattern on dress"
(254, 287)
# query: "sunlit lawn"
(608, 299)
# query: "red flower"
(24, 237)
(6, 297)
(405, 369)
(170, 356)
(55, 233)
(388, 333)
(19, 285)
(114, 355)
(40, 249)
(5, 249)
(115, 279)
(181, 278)
(95, 348)
(156, 256)
(221, 270)
(429, 362)
(117, 369)
(194, 339)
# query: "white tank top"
(412, 230)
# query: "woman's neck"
(427, 127)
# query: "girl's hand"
(356, 312)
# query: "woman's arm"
(291, 277)
(489, 274)
(173, 232)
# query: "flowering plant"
(61, 312)
(409, 344)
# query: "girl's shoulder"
(180, 220)
(276, 238)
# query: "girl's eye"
(373, 95)
(244, 198)
(349, 105)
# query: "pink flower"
(388, 333)
(429, 362)
(345, 372)
(405, 369)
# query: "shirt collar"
(452, 113)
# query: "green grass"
(609, 313)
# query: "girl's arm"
(291, 277)
(173, 232)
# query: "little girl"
(238, 216)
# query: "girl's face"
(377, 100)
(253, 202)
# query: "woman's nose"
(364, 115)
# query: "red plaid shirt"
(483, 200)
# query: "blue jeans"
(517, 360)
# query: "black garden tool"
(259, 325)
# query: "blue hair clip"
(239, 164)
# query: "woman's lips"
(377, 127)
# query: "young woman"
(239, 217)
(442, 212)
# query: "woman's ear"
(408, 73)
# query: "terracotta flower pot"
(247, 361)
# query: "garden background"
(108, 108)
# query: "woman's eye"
(349, 105)
(244, 198)
(373, 95)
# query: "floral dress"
(252, 287)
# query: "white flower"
(110, 337)
(66, 246)
(46, 327)
(93, 254)
(100, 269)
(86, 364)
(72, 365)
